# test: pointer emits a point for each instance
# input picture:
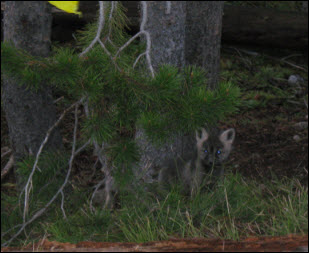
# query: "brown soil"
(290, 243)
(265, 146)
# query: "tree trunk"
(203, 37)
(173, 34)
(167, 31)
(29, 114)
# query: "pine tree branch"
(170, 101)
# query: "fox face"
(211, 150)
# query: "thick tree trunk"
(29, 114)
(166, 26)
(203, 37)
(173, 36)
(167, 30)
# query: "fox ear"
(228, 136)
(201, 138)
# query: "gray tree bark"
(203, 37)
(167, 32)
(29, 114)
(181, 34)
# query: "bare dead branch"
(60, 191)
(7, 167)
(5, 151)
(29, 181)
(148, 40)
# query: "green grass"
(234, 209)
(263, 83)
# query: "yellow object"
(67, 6)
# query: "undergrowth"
(234, 209)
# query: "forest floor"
(272, 127)
(271, 143)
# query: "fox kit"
(212, 148)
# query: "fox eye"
(219, 152)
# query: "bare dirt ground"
(265, 147)
(269, 140)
